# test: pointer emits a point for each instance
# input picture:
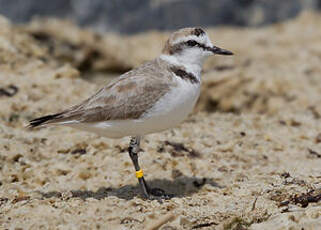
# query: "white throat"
(191, 63)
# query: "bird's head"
(191, 46)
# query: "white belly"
(168, 112)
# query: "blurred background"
(132, 16)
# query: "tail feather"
(43, 120)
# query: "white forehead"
(202, 39)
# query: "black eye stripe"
(178, 47)
(192, 43)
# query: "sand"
(249, 157)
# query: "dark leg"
(155, 193)
(133, 149)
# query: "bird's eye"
(191, 43)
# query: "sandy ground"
(249, 157)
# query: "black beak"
(217, 50)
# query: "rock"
(132, 16)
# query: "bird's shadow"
(180, 187)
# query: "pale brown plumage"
(127, 97)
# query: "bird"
(156, 96)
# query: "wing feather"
(125, 98)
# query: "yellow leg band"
(139, 174)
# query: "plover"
(154, 97)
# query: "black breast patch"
(185, 75)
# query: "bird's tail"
(44, 120)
